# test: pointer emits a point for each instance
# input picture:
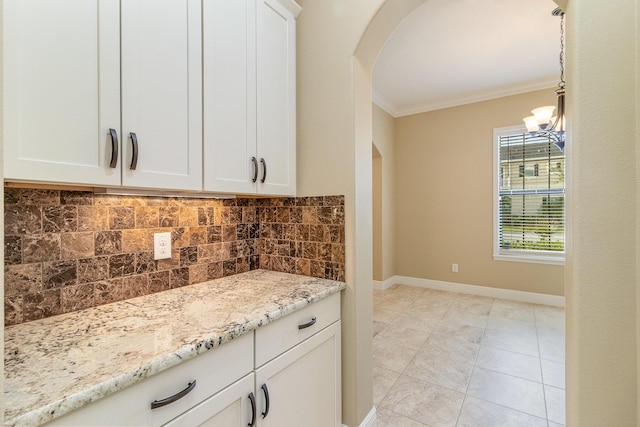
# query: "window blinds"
(531, 194)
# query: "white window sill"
(531, 258)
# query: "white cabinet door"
(230, 407)
(162, 93)
(303, 384)
(276, 96)
(249, 96)
(61, 90)
(229, 40)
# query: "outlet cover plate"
(162, 245)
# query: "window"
(529, 208)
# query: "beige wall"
(376, 211)
(334, 157)
(444, 197)
(384, 179)
(602, 270)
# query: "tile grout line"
(474, 365)
(544, 392)
(466, 391)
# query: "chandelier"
(543, 122)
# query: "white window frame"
(517, 255)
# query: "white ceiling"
(453, 52)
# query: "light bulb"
(531, 123)
(543, 115)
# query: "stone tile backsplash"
(70, 250)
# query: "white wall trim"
(384, 285)
(384, 103)
(369, 420)
(407, 110)
(530, 297)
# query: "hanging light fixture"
(543, 122)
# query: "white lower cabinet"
(294, 381)
(229, 408)
(299, 388)
(303, 384)
(211, 371)
(297, 376)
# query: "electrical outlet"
(161, 245)
(454, 268)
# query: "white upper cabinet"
(111, 93)
(229, 40)
(63, 105)
(249, 96)
(162, 94)
(61, 90)
(276, 96)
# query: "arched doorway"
(337, 45)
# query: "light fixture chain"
(562, 83)
(542, 124)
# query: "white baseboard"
(530, 297)
(370, 419)
(383, 285)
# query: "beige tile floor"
(448, 359)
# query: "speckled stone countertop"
(58, 364)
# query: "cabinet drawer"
(230, 407)
(284, 333)
(131, 406)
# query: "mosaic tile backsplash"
(70, 250)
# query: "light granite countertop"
(58, 364)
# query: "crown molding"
(440, 104)
(383, 103)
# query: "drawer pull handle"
(162, 402)
(252, 399)
(255, 169)
(114, 148)
(266, 399)
(306, 325)
(134, 147)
